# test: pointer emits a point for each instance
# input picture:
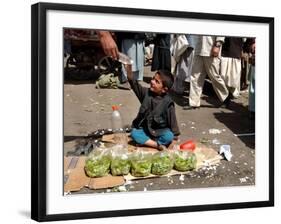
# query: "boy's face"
(156, 85)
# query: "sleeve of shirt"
(139, 90)
(172, 120)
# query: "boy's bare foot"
(162, 147)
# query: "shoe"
(226, 102)
(190, 107)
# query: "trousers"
(140, 136)
(202, 66)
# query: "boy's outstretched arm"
(136, 87)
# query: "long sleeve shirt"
(141, 92)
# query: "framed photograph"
(220, 104)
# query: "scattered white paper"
(225, 150)
(214, 131)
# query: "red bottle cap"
(114, 107)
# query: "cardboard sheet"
(76, 179)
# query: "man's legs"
(197, 79)
(231, 74)
(212, 66)
(135, 50)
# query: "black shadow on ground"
(237, 119)
(80, 76)
(182, 99)
(238, 122)
(79, 82)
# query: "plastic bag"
(108, 81)
(141, 163)
(98, 163)
(184, 160)
(162, 163)
(120, 161)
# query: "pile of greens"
(184, 161)
(141, 168)
(141, 164)
(162, 163)
(97, 166)
(120, 166)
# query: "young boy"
(156, 124)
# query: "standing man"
(207, 61)
(231, 64)
(132, 44)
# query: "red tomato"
(188, 145)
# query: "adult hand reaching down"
(108, 44)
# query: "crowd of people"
(177, 60)
(228, 62)
(181, 59)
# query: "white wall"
(15, 110)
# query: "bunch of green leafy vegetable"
(141, 164)
(141, 168)
(97, 166)
(162, 163)
(120, 166)
(184, 161)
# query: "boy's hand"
(128, 68)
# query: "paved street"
(87, 109)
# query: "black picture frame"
(39, 110)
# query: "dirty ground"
(87, 109)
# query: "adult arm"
(108, 44)
(217, 46)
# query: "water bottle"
(124, 59)
(120, 136)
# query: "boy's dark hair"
(166, 77)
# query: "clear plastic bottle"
(120, 136)
(124, 59)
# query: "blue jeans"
(140, 137)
